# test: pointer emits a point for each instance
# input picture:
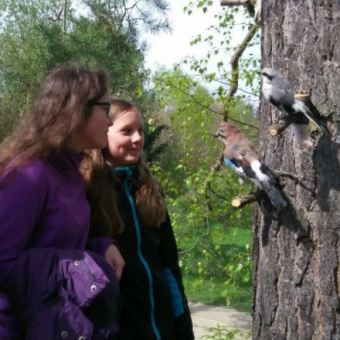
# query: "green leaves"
(199, 199)
(33, 41)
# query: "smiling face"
(125, 138)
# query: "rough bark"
(296, 254)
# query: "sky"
(168, 48)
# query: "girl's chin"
(131, 160)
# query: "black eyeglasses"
(106, 104)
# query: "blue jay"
(243, 159)
(279, 92)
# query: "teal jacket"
(154, 303)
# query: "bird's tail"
(274, 195)
(299, 106)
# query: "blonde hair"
(106, 220)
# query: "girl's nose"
(137, 137)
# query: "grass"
(224, 282)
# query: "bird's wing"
(284, 85)
(235, 165)
(300, 107)
(282, 94)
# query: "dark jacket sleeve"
(99, 245)
(169, 256)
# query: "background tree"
(199, 199)
(38, 35)
(296, 270)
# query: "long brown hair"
(100, 178)
(63, 104)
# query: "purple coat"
(42, 205)
(64, 294)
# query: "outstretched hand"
(115, 259)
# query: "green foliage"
(149, 15)
(221, 43)
(180, 114)
(34, 39)
(198, 198)
(215, 270)
(220, 333)
(220, 281)
(224, 333)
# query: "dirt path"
(205, 317)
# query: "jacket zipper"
(139, 250)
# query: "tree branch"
(234, 65)
(58, 15)
(210, 109)
(242, 201)
(234, 2)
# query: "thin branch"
(241, 201)
(234, 2)
(187, 251)
(242, 90)
(218, 81)
(210, 109)
(215, 193)
(64, 17)
(58, 15)
(288, 174)
(217, 166)
(234, 64)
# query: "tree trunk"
(296, 271)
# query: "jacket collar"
(67, 160)
(125, 170)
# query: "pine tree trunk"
(297, 254)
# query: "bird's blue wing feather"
(236, 167)
(229, 163)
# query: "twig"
(241, 201)
(216, 194)
(187, 251)
(236, 57)
(58, 15)
(234, 2)
(288, 174)
(283, 122)
(210, 109)
(234, 65)
(281, 125)
(217, 166)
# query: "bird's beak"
(216, 135)
(259, 73)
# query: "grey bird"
(279, 92)
(241, 157)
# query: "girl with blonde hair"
(127, 204)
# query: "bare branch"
(242, 201)
(196, 101)
(234, 65)
(58, 15)
(234, 2)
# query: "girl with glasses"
(52, 280)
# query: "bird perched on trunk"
(243, 159)
(279, 92)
